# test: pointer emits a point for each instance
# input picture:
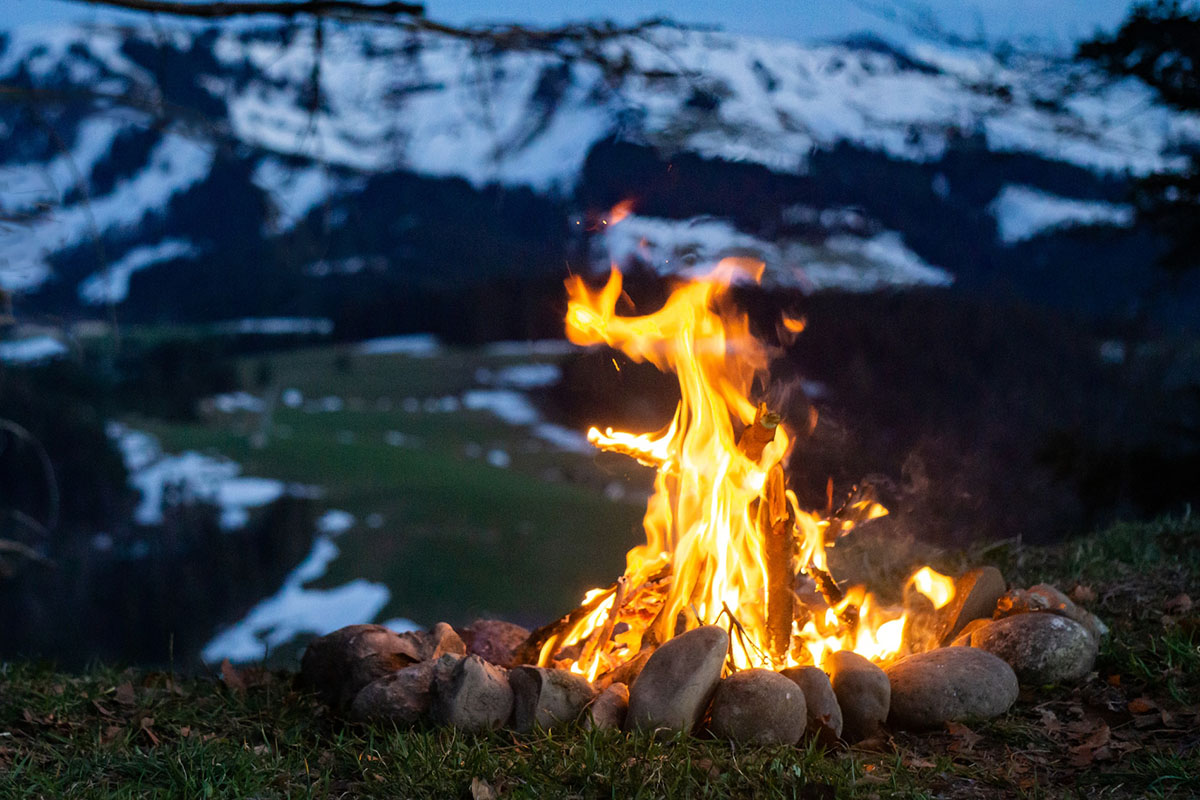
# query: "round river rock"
(758, 706)
(863, 693)
(673, 689)
(952, 684)
(1041, 648)
(822, 710)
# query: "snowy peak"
(167, 128)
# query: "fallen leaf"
(1171, 720)
(919, 763)
(965, 739)
(1083, 594)
(1179, 604)
(146, 725)
(482, 790)
(1141, 705)
(111, 733)
(232, 677)
(1114, 680)
(104, 712)
(1084, 728)
(1094, 749)
(1050, 722)
(125, 694)
(185, 731)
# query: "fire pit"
(728, 616)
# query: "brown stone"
(1047, 598)
(1040, 647)
(677, 683)
(863, 693)
(402, 697)
(608, 710)
(952, 684)
(547, 698)
(823, 713)
(758, 706)
(494, 640)
(338, 665)
(474, 696)
(444, 639)
(975, 597)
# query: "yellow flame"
(701, 520)
(934, 585)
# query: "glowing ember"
(726, 541)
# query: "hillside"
(185, 174)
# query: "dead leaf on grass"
(1050, 722)
(1172, 720)
(233, 679)
(918, 762)
(125, 694)
(1083, 594)
(965, 739)
(1179, 604)
(1141, 705)
(482, 790)
(147, 727)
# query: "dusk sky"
(1055, 22)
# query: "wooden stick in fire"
(601, 635)
(775, 524)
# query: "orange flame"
(700, 523)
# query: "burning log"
(546, 638)
(775, 524)
(759, 433)
(600, 636)
(530, 651)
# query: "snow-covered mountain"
(210, 174)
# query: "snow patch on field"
(190, 476)
(1023, 212)
(417, 345)
(295, 609)
(33, 350)
(277, 326)
(510, 406)
(532, 347)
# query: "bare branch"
(282, 8)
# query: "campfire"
(726, 541)
(728, 616)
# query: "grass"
(1131, 730)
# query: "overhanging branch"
(316, 8)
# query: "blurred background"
(280, 321)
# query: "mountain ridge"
(122, 142)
